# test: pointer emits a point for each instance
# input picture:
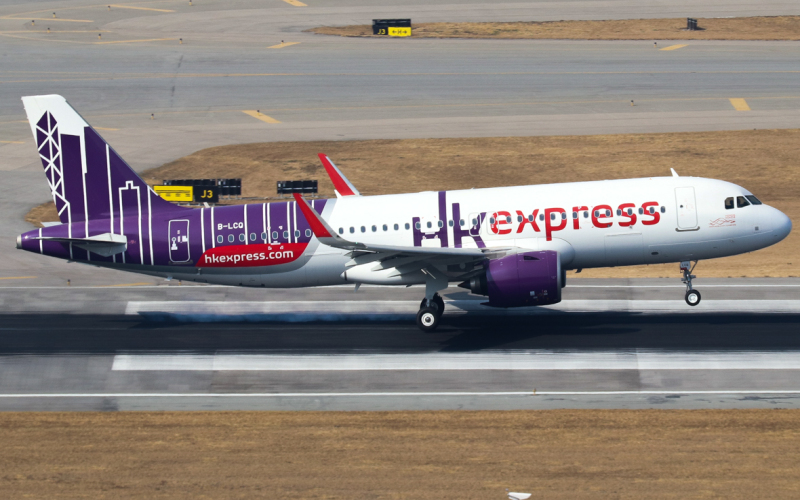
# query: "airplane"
(510, 244)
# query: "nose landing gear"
(692, 296)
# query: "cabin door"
(687, 209)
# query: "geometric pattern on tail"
(49, 144)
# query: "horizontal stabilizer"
(105, 245)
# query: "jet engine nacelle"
(523, 279)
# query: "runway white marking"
(387, 394)
(497, 360)
(322, 310)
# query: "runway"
(585, 353)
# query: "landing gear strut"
(429, 313)
(692, 296)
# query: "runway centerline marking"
(55, 20)
(139, 8)
(12, 142)
(296, 3)
(259, 116)
(739, 104)
(105, 128)
(674, 47)
(517, 360)
(18, 278)
(282, 45)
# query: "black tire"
(437, 303)
(427, 319)
(692, 297)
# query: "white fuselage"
(590, 224)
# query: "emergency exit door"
(687, 208)
(179, 240)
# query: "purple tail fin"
(87, 178)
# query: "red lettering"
(632, 216)
(575, 220)
(528, 220)
(656, 216)
(598, 213)
(501, 218)
(548, 226)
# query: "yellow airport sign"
(399, 31)
(178, 194)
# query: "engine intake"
(523, 279)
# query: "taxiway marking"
(18, 277)
(674, 47)
(139, 8)
(136, 41)
(259, 116)
(739, 104)
(12, 142)
(282, 45)
(296, 3)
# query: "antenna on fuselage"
(674, 173)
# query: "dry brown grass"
(416, 455)
(764, 161)
(741, 28)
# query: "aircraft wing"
(404, 258)
(342, 186)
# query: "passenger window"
(741, 202)
(753, 199)
(297, 234)
(508, 219)
(308, 233)
(641, 211)
(440, 224)
(242, 237)
(363, 229)
(429, 225)
(274, 235)
(597, 213)
(541, 216)
(374, 228)
(341, 230)
(563, 215)
(530, 218)
(252, 236)
(286, 234)
(585, 215)
(451, 223)
(574, 215)
(728, 203)
(491, 220)
(396, 227)
(619, 212)
(230, 238)
(417, 225)
(663, 210)
(462, 222)
(408, 226)
(352, 230)
(220, 239)
(264, 236)
(385, 227)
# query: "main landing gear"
(692, 296)
(429, 313)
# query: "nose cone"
(782, 225)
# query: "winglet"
(674, 173)
(343, 186)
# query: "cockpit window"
(729, 203)
(753, 199)
(741, 202)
